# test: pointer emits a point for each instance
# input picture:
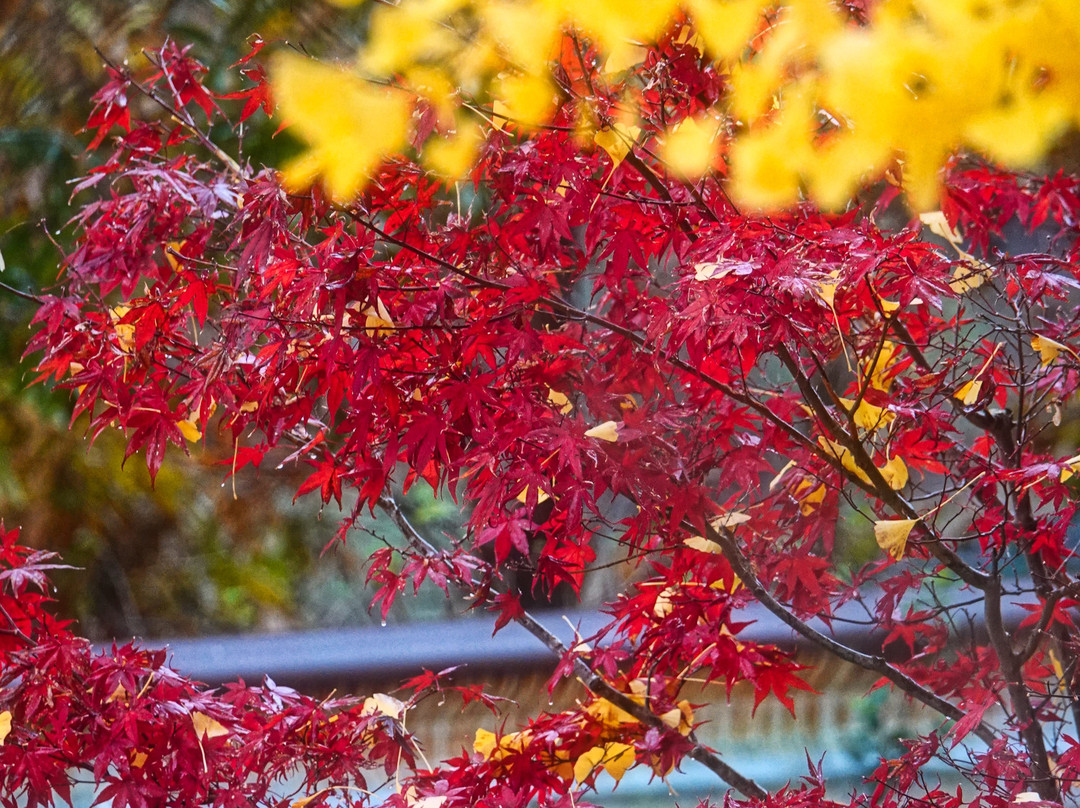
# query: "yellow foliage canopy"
(818, 104)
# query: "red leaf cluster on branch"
(592, 355)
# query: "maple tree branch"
(1028, 724)
(573, 312)
(20, 293)
(15, 631)
(744, 569)
(658, 185)
(878, 486)
(1001, 428)
(589, 677)
(1049, 605)
(179, 115)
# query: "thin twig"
(743, 568)
(591, 679)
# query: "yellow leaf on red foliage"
(689, 148)
(5, 725)
(349, 125)
(868, 416)
(609, 714)
(207, 727)
(702, 544)
(1048, 349)
(125, 332)
(189, 430)
(609, 431)
(892, 535)
(382, 704)
(729, 519)
(895, 473)
(812, 498)
(617, 141)
(618, 757)
(484, 743)
(560, 400)
(587, 763)
(969, 392)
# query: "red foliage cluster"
(147, 735)
(586, 353)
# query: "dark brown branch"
(877, 485)
(590, 678)
(1031, 733)
(20, 293)
(744, 569)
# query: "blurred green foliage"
(185, 557)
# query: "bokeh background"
(183, 557)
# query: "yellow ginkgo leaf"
(1048, 349)
(878, 369)
(454, 155)
(809, 496)
(617, 141)
(587, 763)
(702, 544)
(663, 606)
(207, 727)
(609, 714)
(686, 724)
(1071, 467)
(348, 124)
(530, 97)
(171, 249)
(618, 757)
(484, 743)
(125, 332)
(382, 704)
(5, 725)
(560, 400)
(937, 224)
(892, 535)
(189, 430)
(970, 274)
(868, 416)
(827, 292)
(775, 481)
(706, 271)
(842, 454)
(377, 319)
(609, 431)
(688, 149)
(541, 496)
(623, 58)
(726, 28)
(729, 519)
(895, 473)
(969, 392)
(679, 717)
